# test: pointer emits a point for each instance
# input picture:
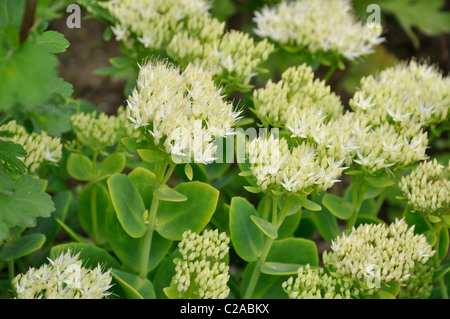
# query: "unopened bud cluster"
(316, 283)
(377, 254)
(98, 130)
(420, 284)
(202, 272)
(318, 27)
(190, 35)
(183, 112)
(234, 52)
(153, 22)
(276, 166)
(297, 92)
(427, 187)
(409, 95)
(63, 278)
(40, 148)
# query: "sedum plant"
(202, 272)
(364, 262)
(139, 204)
(330, 34)
(63, 278)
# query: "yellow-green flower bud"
(427, 187)
(202, 272)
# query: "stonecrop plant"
(232, 166)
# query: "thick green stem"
(436, 262)
(358, 190)
(94, 199)
(161, 180)
(276, 221)
(380, 201)
(11, 270)
(147, 243)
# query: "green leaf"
(443, 243)
(79, 168)
(55, 119)
(289, 225)
(114, 163)
(49, 226)
(434, 219)
(150, 156)
(174, 218)
(145, 182)
(91, 255)
(416, 220)
(168, 194)
(134, 286)
(172, 292)
(16, 74)
(55, 41)
(164, 274)
(385, 295)
(21, 206)
(338, 206)
(21, 246)
(310, 205)
(92, 219)
(133, 144)
(280, 269)
(11, 12)
(446, 219)
(267, 228)
(128, 249)
(128, 205)
(441, 272)
(380, 182)
(10, 154)
(294, 251)
(431, 237)
(199, 173)
(247, 239)
(391, 288)
(325, 221)
(252, 189)
(121, 62)
(267, 287)
(188, 171)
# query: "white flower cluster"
(184, 112)
(319, 27)
(189, 34)
(318, 284)
(427, 187)
(202, 265)
(99, 131)
(153, 22)
(409, 95)
(234, 52)
(376, 255)
(382, 147)
(278, 167)
(371, 147)
(63, 278)
(297, 92)
(40, 148)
